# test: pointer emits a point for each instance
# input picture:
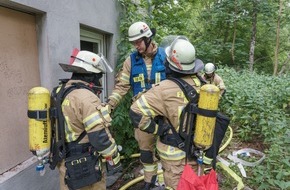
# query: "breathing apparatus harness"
(82, 162)
(183, 139)
(59, 147)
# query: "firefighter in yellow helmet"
(143, 68)
(167, 99)
(212, 78)
(87, 121)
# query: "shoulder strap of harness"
(189, 92)
(184, 138)
(179, 141)
(59, 148)
(192, 96)
(66, 91)
(187, 122)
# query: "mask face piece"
(97, 80)
(96, 84)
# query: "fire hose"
(160, 172)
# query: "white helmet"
(209, 68)
(87, 62)
(139, 30)
(181, 56)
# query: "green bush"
(257, 105)
(122, 127)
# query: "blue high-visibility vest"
(139, 78)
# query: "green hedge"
(259, 109)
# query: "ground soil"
(133, 169)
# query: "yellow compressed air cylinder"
(39, 121)
(204, 128)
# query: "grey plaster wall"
(58, 32)
(58, 25)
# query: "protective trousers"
(101, 185)
(146, 144)
(172, 171)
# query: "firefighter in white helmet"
(166, 99)
(87, 136)
(212, 78)
(143, 68)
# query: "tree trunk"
(285, 66)
(276, 62)
(253, 36)
(234, 35)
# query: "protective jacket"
(139, 72)
(83, 111)
(164, 99)
(216, 80)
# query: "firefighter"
(141, 69)
(212, 78)
(167, 99)
(86, 123)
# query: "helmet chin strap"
(147, 43)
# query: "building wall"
(57, 30)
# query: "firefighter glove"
(112, 104)
(108, 106)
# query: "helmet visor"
(105, 63)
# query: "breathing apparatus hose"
(160, 172)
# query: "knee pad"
(146, 157)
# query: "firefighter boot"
(148, 186)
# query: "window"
(95, 42)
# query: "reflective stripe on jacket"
(82, 110)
